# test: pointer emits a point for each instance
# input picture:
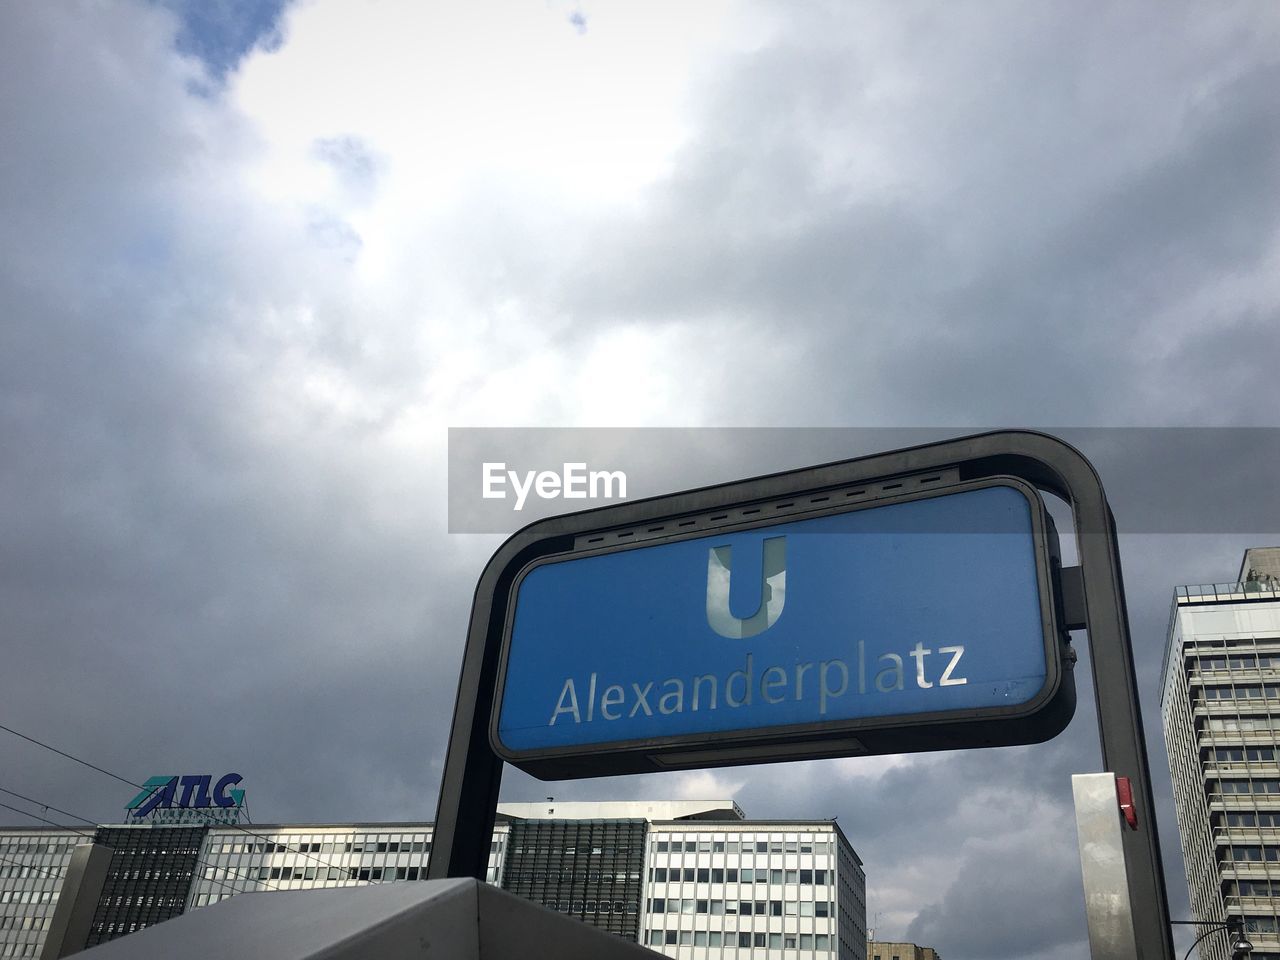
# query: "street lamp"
(1240, 945)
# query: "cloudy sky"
(256, 259)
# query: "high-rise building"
(1220, 703)
(692, 879)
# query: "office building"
(691, 879)
(33, 863)
(890, 950)
(1220, 703)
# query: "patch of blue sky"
(221, 32)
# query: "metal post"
(1102, 866)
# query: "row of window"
(744, 908)
(172, 875)
(1236, 642)
(557, 853)
(19, 871)
(19, 950)
(735, 875)
(1250, 853)
(1238, 724)
(56, 848)
(1251, 888)
(28, 896)
(1261, 924)
(1237, 661)
(1247, 818)
(317, 873)
(145, 902)
(24, 923)
(350, 846)
(1238, 754)
(531, 874)
(1252, 785)
(714, 938)
(120, 928)
(740, 846)
(1242, 691)
(620, 907)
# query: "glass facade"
(592, 870)
(148, 879)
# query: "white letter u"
(773, 591)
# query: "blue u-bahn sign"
(922, 622)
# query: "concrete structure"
(1220, 703)
(889, 950)
(692, 879)
(458, 919)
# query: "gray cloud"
(222, 520)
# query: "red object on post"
(1124, 792)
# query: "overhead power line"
(63, 753)
(91, 836)
(126, 780)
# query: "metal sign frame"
(1092, 599)
(1038, 719)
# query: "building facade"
(701, 883)
(891, 950)
(33, 863)
(758, 889)
(1220, 703)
